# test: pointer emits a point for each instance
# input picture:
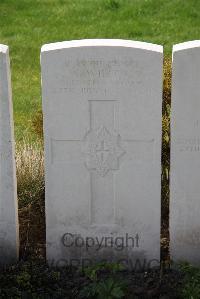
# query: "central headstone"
(102, 102)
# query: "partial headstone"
(9, 242)
(102, 102)
(185, 154)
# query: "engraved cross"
(102, 150)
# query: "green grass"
(25, 25)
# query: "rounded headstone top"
(186, 45)
(3, 48)
(103, 43)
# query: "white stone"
(102, 102)
(8, 195)
(185, 154)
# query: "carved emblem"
(103, 150)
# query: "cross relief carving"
(102, 148)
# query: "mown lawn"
(27, 24)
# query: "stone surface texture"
(9, 242)
(185, 154)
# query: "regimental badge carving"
(103, 150)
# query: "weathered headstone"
(8, 195)
(102, 124)
(185, 154)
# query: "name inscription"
(90, 76)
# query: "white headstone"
(8, 195)
(102, 124)
(185, 154)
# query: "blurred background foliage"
(25, 25)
